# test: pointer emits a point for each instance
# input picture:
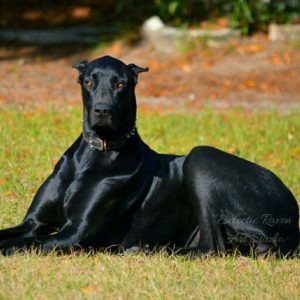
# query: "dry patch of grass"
(159, 276)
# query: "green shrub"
(250, 16)
(247, 15)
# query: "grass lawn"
(32, 141)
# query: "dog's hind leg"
(199, 185)
(211, 235)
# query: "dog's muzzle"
(103, 110)
(103, 116)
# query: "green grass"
(32, 141)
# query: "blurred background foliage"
(247, 15)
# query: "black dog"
(110, 189)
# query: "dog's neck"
(107, 144)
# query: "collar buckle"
(98, 143)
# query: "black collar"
(106, 145)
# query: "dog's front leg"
(69, 237)
(83, 220)
(41, 217)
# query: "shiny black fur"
(134, 198)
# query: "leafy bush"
(251, 16)
(247, 15)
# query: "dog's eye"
(120, 85)
(88, 83)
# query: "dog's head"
(108, 95)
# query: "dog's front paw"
(6, 251)
(132, 250)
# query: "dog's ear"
(81, 68)
(136, 70)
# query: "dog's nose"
(102, 109)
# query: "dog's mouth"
(104, 129)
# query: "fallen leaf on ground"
(88, 288)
